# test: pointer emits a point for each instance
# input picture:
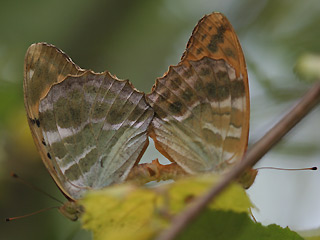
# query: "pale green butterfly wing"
(94, 129)
(202, 105)
(44, 66)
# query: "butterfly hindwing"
(202, 104)
(95, 127)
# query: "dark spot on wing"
(204, 36)
(216, 39)
(237, 88)
(199, 50)
(204, 71)
(223, 85)
(187, 95)
(223, 92)
(198, 85)
(49, 156)
(212, 137)
(211, 90)
(43, 142)
(88, 161)
(159, 111)
(175, 83)
(73, 172)
(175, 107)
(75, 112)
(160, 99)
(32, 120)
(222, 76)
(165, 94)
(37, 122)
(187, 73)
(229, 52)
(137, 112)
(115, 115)
(99, 110)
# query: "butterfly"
(91, 129)
(202, 104)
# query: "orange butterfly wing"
(202, 104)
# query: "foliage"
(129, 212)
(307, 67)
(138, 40)
(230, 225)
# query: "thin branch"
(304, 106)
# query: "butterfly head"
(71, 210)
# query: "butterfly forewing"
(214, 37)
(202, 104)
(44, 66)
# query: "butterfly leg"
(154, 171)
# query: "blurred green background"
(139, 40)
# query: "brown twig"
(304, 106)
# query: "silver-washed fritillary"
(91, 129)
(202, 105)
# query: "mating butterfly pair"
(91, 129)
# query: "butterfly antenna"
(288, 169)
(30, 214)
(23, 181)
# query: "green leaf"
(226, 225)
(121, 212)
(184, 190)
(130, 212)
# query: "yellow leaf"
(130, 212)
